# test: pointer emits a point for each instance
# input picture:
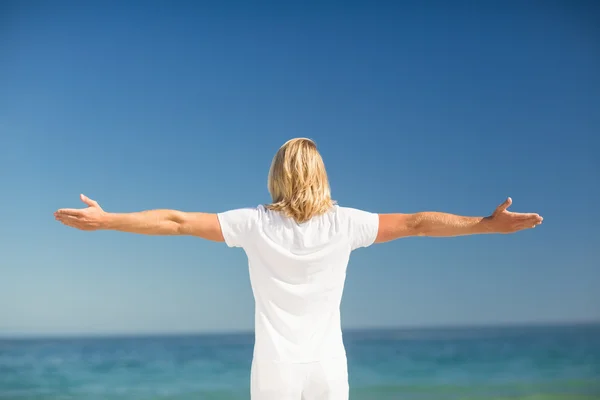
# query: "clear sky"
(160, 104)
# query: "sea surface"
(533, 363)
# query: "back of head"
(298, 181)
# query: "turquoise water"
(548, 363)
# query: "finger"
(68, 219)
(528, 216)
(88, 201)
(73, 223)
(524, 215)
(533, 218)
(527, 224)
(502, 207)
(69, 211)
(67, 222)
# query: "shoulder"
(354, 213)
(239, 214)
(238, 224)
(362, 226)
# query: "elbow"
(395, 226)
(417, 225)
(177, 223)
(179, 229)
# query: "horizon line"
(425, 327)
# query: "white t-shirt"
(297, 272)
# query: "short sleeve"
(362, 227)
(237, 225)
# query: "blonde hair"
(298, 181)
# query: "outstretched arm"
(438, 224)
(152, 222)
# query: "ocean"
(532, 363)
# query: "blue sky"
(442, 107)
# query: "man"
(298, 249)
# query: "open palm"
(504, 221)
(87, 219)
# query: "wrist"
(107, 221)
(487, 225)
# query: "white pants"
(323, 380)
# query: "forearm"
(152, 222)
(439, 224)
